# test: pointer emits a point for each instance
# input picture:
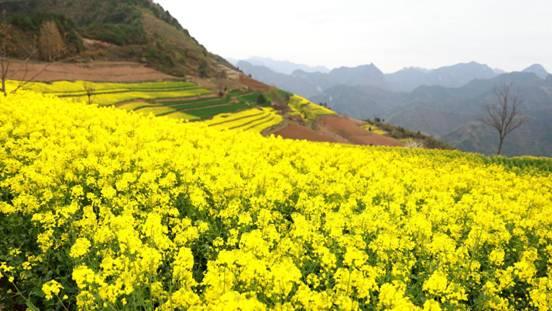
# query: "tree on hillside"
(4, 69)
(504, 114)
(4, 60)
(203, 70)
(90, 92)
(221, 83)
(262, 100)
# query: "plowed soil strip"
(94, 71)
(296, 131)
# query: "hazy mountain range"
(446, 102)
(279, 66)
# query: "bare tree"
(4, 61)
(4, 69)
(504, 115)
(221, 83)
(90, 92)
(25, 79)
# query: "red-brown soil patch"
(296, 131)
(352, 131)
(92, 71)
(253, 84)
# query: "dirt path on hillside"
(93, 71)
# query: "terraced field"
(256, 120)
(173, 99)
(306, 109)
(197, 108)
(107, 94)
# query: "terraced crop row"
(198, 108)
(66, 87)
(175, 99)
(306, 109)
(105, 94)
(257, 120)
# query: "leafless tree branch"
(23, 82)
(504, 114)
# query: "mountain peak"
(283, 66)
(361, 68)
(537, 69)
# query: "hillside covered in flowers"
(105, 209)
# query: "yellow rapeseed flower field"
(104, 209)
(110, 93)
(306, 109)
(255, 119)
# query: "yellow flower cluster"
(51, 289)
(126, 211)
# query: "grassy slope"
(139, 29)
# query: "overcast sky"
(507, 34)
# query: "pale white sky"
(508, 34)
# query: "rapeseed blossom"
(51, 289)
(114, 210)
(80, 248)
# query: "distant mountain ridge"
(449, 76)
(404, 80)
(284, 67)
(445, 102)
(538, 70)
(313, 83)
